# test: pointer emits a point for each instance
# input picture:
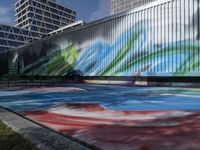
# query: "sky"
(87, 10)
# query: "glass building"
(123, 5)
(42, 16)
(160, 39)
(12, 37)
(35, 19)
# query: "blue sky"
(87, 10)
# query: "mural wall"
(160, 39)
(4, 63)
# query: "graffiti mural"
(4, 62)
(159, 39)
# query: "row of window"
(49, 18)
(40, 29)
(3, 48)
(56, 13)
(21, 17)
(20, 2)
(45, 6)
(10, 43)
(53, 25)
(16, 31)
(61, 21)
(14, 37)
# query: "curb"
(44, 138)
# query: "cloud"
(103, 10)
(5, 13)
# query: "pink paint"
(127, 130)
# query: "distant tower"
(42, 16)
(118, 6)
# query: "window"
(3, 48)
(35, 34)
(3, 42)
(21, 38)
(11, 43)
(2, 35)
(16, 30)
(30, 14)
(52, 4)
(6, 28)
(47, 14)
(38, 17)
(43, 30)
(55, 17)
(38, 11)
(34, 28)
(47, 19)
(11, 36)
(34, 22)
(25, 32)
(60, 7)
(34, 3)
(56, 22)
(54, 10)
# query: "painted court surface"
(114, 117)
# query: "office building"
(12, 37)
(34, 19)
(123, 5)
(42, 16)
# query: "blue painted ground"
(112, 97)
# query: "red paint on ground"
(154, 130)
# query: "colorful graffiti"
(160, 39)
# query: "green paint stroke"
(61, 64)
(121, 54)
(163, 52)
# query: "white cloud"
(5, 17)
(103, 10)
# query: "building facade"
(160, 39)
(35, 19)
(12, 37)
(118, 6)
(42, 16)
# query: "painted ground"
(114, 117)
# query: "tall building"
(34, 19)
(123, 5)
(42, 16)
